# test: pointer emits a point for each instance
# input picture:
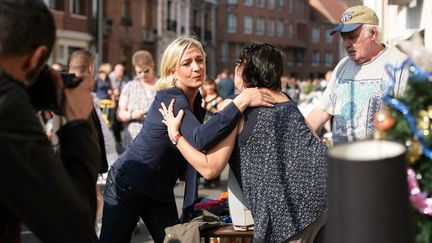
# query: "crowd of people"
(60, 132)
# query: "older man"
(356, 88)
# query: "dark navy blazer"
(152, 164)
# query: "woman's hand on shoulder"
(255, 97)
(172, 122)
(223, 103)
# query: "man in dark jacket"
(55, 197)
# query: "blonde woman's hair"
(171, 57)
(105, 68)
(140, 58)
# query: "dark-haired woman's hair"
(262, 65)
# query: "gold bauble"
(423, 122)
(414, 151)
(429, 111)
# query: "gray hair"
(369, 27)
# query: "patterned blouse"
(139, 99)
(282, 169)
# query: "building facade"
(73, 23)
(291, 25)
(114, 30)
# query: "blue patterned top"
(282, 170)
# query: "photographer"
(55, 197)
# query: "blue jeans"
(123, 205)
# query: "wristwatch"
(175, 139)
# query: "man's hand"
(78, 101)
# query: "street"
(141, 235)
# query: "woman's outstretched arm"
(209, 164)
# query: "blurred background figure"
(118, 79)
(104, 92)
(137, 96)
(211, 97)
(225, 84)
(211, 101)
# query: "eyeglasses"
(238, 61)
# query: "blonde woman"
(137, 96)
(140, 183)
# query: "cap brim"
(344, 28)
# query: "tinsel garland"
(418, 198)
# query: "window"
(270, 27)
(248, 25)
(290, 57)
(315, 59)
(260, 26)
(315, 34)
(301, 7)
(225, 52)
(290, 30)
(290, 5)
(55, 4)
(61, 52)
(232, 23)
(301, 32)
(271, 4)
(78, 7)
(328, 59)
(232, 1)
(281, 4)
(298, 57)
(280, 28)
(238, 49)
(328, 37)
(125, 9)
(183, 18)
(248, 2)
(260, 3)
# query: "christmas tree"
(408, 119)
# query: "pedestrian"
(54, 196)
(137, 96)
(226, 84)
(355, 91)
(141, 182)
(118, 79)
(279, 164)
(211, 101)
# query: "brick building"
(72, 19)
(298, 29)
(115, 29)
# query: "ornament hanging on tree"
(414, 151)
(383, 119)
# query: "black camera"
(44, 94)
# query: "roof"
(330, 9)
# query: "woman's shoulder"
(167, 95)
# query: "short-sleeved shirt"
(355, 92)
(138, 99)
